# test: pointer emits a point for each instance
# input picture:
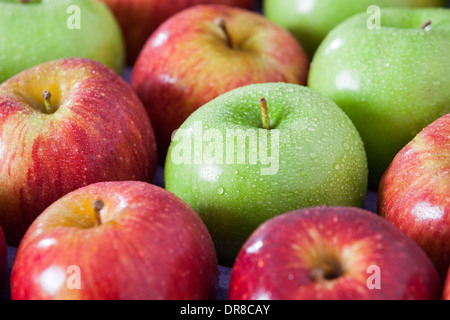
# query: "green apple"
(263, 150)
(33, 32)
(311, 20)
(392, 80)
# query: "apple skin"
(150, 245)
(138, 19)
(33, 33)
(321, 160)
(278, 260)
(446, 292)
(173, 82)
(415, 192)
(311, 20)
(100, 132)
(392, 82)
(3, 260)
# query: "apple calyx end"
(223, 26)
(264, 113)
(98, 206)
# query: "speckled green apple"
(392, 81)
(309, 154)
(37, 31)
(311, 20)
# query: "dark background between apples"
(224, 272)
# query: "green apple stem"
(426, 24)
(223, 25)
(98, 206)
(264, 113)
(48, 102)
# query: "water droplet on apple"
(337, 166)
(346, 146)
(220, 190)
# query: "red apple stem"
(48, 102)
(264, 113)
(426, 24)
(223, 25)
(98, 206)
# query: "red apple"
(446, 293)
(332, 253)
(414, 193)
(138, 19)
(88, 126)
(205, 51)
(123, 240)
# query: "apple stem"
(47, 101)
(223, 25)
(426, 24)
(264, 113)
(98, 206)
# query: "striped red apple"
(415, 192)
(65, 124)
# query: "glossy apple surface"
(327, 253)
(415, 192)
(95, 130)
(235, 174)
(311, 20)
(188, 62)
(144, 244)
(33, 32)
(392, 82)
(138, 19)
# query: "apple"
(414, 192)
(332, 253)
(446, 293)
(205, 51)
(392, 81)
(311, 20)
(138, 19)
(240, 160)
(65, 124)
(33, 32)
(123, 240)
(3, 261)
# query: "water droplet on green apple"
(220, 190)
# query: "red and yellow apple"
(332, 253)
(138, 19)
(65, 124)
(205, 51)
(414, 193)
(123, 240)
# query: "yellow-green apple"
(65, 124)
(240, 160)
(311, 20)
(123, 240)
(392, 79)
(332, 253)
(138, 19)
(414, 192)
(36, 31)
(205, 51)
